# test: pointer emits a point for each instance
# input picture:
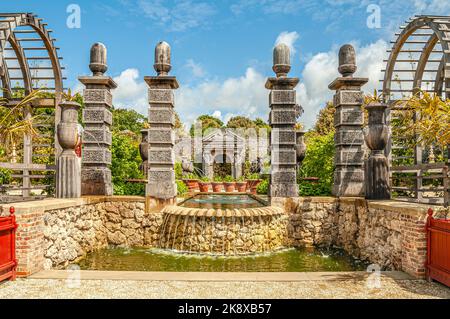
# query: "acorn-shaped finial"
(98, 64)
(347, 60)
(162, 58)
(281, 60)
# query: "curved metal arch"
(440, 32)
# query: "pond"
(287, 260)
(223, 201)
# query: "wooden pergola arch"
(29, 61)
(418, 60)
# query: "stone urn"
(376, 135)
(143, 151)
(67, 129)
(68, 166)
(300, 147)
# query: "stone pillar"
(348, 120)
(161, 185)
(282, 119)
(97, 117)
(68, 172)
(376, 166)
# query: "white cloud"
(217, 114)
(131, 91)
(246, 95)
(243, 95)
(288, 38)
(196, 68)
(321, 70)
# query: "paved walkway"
(54, 284)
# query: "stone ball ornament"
(347, 60)
(98, 62)
(162, 64)
(281, 60)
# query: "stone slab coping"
(57, 203)
(218, 276)
(239, 212)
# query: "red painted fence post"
(428, 225)
(12, 211)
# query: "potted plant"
(241, 184)
(229, 184)
(253, 181)
(204, 184)
(217, 184)
(191, 181)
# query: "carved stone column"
(161, 136)
(97, 117)
(282, 119)
(348, 120)
(68, 178)
(376, 166)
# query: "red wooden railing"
(8, 262)
(438, 249)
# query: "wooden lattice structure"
(419, 59)
(28, 61)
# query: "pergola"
(419, 59)
(29, 61)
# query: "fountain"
(223, 225)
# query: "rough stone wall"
(388, 233)
(72, 232)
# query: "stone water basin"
(224, 224)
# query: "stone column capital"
(347, 83)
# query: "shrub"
(178, 171)
(263, 188)
(228, 179)
(318, 162)
(125, 165)
(182, 188)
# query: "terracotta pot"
(217, 187)
(252, 185)
(204, 187)
(192, 184)
(229, 186)
(241, 187)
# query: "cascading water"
(224, 230)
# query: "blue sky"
(222, 50)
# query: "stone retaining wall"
(388, 233)
(53, 233)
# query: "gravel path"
(390, 288)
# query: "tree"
(125, 163)
(432, 119)
(260, 123)
(318, 162)
(208, 122)
(128, 120)
(325, 120)
(13, 123)
(241, 122)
